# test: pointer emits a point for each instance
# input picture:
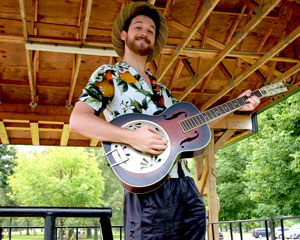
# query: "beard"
(139, 49)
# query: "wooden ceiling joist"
(231, 45)
(275, 50)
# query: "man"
(175, 210)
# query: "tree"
(7, 163)
(234, 202)
(273, 170)
(66, 177)
(113, 194)
(57, 176)
(259, 176)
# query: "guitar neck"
(215, 112)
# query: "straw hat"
(119, 23)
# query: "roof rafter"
(276, 49)
(231, 45)
(204, 14)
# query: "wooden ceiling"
(215, 50)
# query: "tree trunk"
(89, 233)
(96, 234)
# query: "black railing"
(9, 229)
(50, 214)
(268, 225)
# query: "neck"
(136, 61)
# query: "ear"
(123, 35)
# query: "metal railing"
(50, 214)
(268, 224)
(9, 230)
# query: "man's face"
(140, 37)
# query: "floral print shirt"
(120, 89)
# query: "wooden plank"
(276, 49)
(230, 46)
(204, 14)
(65, 135)
(35, 136)
(3, 134)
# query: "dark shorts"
(174, 211)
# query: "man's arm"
(84, 121)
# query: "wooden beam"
(3, 134)
(27, 52)
(94, 143)
(235, 122)
(212, 196)
(35, 136)
(202, 182)
(204, 14)
(289, 73)
(78, 58)
(265, 37)
(276, 49)
(235, 25)
(223, 139)
(231, 45)
(177, 72)
(65, 135)
(183, 28)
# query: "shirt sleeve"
(99, 91)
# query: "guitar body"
(139, 172)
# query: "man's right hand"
(147, 139)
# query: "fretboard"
(215, 113)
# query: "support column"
(213, 200)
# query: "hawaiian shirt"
(119, 89)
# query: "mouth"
(143, 39)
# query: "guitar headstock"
(274, 89)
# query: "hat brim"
(119, 23)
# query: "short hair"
(146, 11)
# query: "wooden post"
(213, 200)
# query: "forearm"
(86, 123)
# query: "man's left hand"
(252, 101)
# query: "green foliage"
(7, 163)
(66, 177)
(261, 173)
(113, 194)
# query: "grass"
(40, 236)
